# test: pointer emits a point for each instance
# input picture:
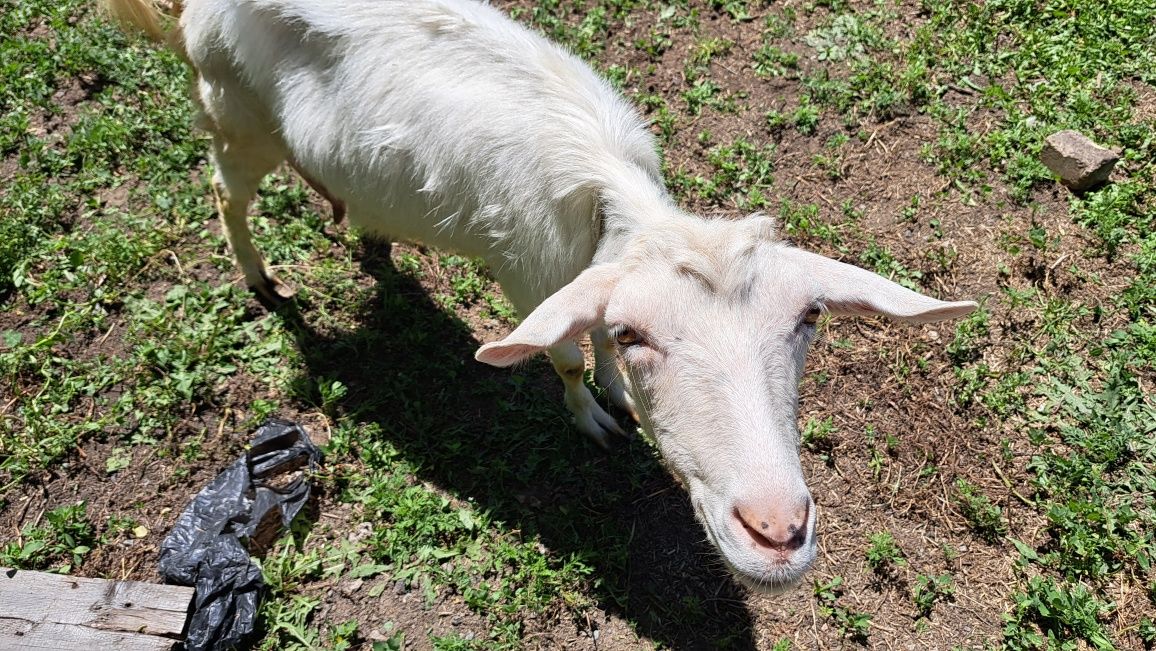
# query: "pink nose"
(777, 525)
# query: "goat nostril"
(757, 536)
(758, 530)
(773, 533)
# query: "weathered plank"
(22, 635)
(39, 610)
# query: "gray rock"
(1080, 163)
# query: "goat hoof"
(272, 292)
(621, 400)
(599, 426)
(601, 439)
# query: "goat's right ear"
(571, 311)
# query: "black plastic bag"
(207, 546)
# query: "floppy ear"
(846, 289)
(572, 310)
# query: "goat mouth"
(779, 577)
(770, 586)
(776, 577)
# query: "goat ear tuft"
(846, 289)
(564, 316)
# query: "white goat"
(443, 121)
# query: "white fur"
(444, 122)
(440, 122)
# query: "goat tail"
(144, 16)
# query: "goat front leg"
(589, 416)
(607, 373)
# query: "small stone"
(399, 588)
(1080, 163)
(363, 531)
(349, 587)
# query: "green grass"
(64, 539)
(986, 519)
(852, 625)
(884, 554)
(930, 590)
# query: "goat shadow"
(502, 438)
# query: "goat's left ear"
(565, 315)
(846, 289)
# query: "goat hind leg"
(337, 206)
(238, 173)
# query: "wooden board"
(39, 610)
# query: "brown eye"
(627, 337)
(812, 316)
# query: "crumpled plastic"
(207, 548)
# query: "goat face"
(712, 320)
